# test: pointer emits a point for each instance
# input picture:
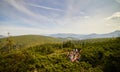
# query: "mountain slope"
(30, 40)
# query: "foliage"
(99, 55)
(30, 40)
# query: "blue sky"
(21, 17)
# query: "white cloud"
(113, 21)
(72, 21)
(33, 19)
(115, 15)
(21, 30)
(44, 7)
(21, 6)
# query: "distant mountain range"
(89, 36)
(71, 36)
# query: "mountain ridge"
(87, 36)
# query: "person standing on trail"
(78, 57)
(76, 50)
(74, 55)
(79, 54)
(71, 56)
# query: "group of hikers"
(74, 55)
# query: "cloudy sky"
(21, 17)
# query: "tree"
(10, 43)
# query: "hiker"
(74, 55)
(71, 55)
(77, 57)
(76, 50)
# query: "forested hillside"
(98, 55)
(29, 40)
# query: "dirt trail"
(57, 52)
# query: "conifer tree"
(10, 42)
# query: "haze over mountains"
(89, 36)
(81, 36)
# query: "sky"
(21, 17)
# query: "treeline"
(98, 55)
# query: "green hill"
(31, 40)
